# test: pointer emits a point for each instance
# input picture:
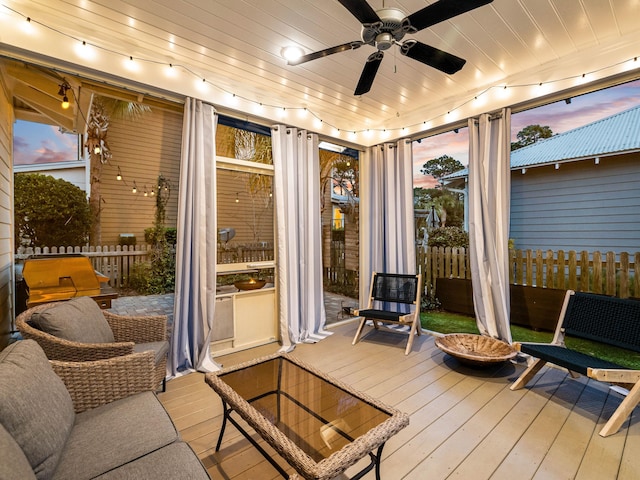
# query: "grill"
(51, 278)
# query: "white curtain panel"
(196, 243)
(299, 235)
(489, 200)
(387, 229)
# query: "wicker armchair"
(127, 331)
(95, 383)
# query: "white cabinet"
(243, 320)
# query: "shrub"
(49, 212)
(156, 276)
(151, 235)
(453, 237)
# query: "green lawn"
(444, 322)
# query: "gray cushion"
(78, 320)
(114, 434)
(169, 463)
(14, 465)
(160, 349)
(35, 406)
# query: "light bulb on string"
(135, 187)
(119, 175)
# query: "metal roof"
(619, 133)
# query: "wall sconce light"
(596, 160)
(63, 93)
(524, 170)
(135, 187)
(119, 175)
(557, 166)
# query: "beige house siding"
(143, 149)
(6, 214)
(252, 216)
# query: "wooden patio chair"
(389, 295)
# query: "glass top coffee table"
(318, 424)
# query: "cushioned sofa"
(45, 435)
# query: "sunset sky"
(560, 117)
(35, 143)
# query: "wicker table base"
(319, 425)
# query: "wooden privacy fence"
(608, 273)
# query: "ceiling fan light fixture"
(291, 53)
(384, 41)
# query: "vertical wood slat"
(573, 270)
(597, 273)
(624, 275)
(529, 280)
(560, 270)
(584, 271)
(519, 268)
(610, 281)
(539, 269)
(549, 269)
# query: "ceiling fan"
(388, 26)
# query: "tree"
(531, 134)
(441, 166)
(49, 212)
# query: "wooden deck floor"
(465, 423)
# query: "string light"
(119, 175)
(135, 187)
(63, 93)
(304, 110)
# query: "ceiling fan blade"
(369, 73)
(361, 10)
(327, 51)
(432, 56)
(441, 11)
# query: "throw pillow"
(78, 320)
(35, 406)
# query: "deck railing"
(605, 273)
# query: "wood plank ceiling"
(235, 46)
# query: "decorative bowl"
(251, 284)
(475, 350)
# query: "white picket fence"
(113, 261)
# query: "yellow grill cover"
(59, 277)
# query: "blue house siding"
(580, 206)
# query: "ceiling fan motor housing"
(385, 33)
